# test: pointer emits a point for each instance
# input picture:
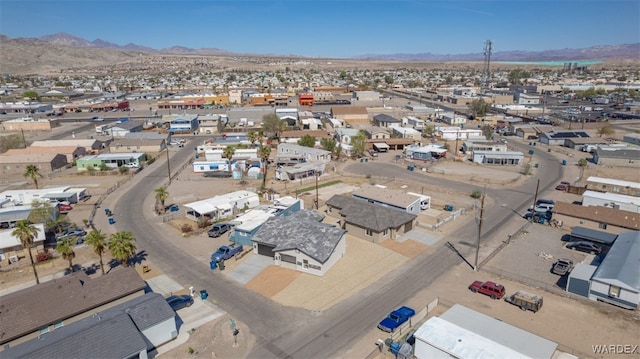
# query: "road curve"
(285, 332)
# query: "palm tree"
(65, 247)
(33, 172)
(97, 240)
(122, 246)
(265, 151)
(161, 195)
(228, 152)
(26, 233)
(252, 136)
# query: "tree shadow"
(138, 258)
(75, 268)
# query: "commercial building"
(28, 124)
(617, 157)
(498, 157)
(46, 162)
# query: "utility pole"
(535, 199)
(317, 174)
(475, 266)
(168, 165)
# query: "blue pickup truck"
(226, 252)
(396, 319)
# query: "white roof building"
(8, 240)
(222, 206)
(466, 334)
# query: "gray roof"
(47, 303)
(92, 337)
(593, 235)
(127, 125)
(315, 239)
(113, 333)
(529, 344)
(620, 266)
(624, 154)
(367, 215)
(383, 117)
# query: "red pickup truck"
(494, 290)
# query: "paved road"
(284, 332)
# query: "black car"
(219, 229)
(585, 246)
(179, 301)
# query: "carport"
(586, 234)
(579, 280)
(381, 147)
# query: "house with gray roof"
(617, 279)
(46, 307)
(384, 120)
(127, 330)
(301, 242)
(617, 156)
(369, 221)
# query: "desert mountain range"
(52, 53)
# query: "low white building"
(453, 119)
(222, 206)
(453, 133)
(466, 334)
(612, 200)
(498, 158)
(309, 154)
(406, 132)
(390, 198)
(238, 154)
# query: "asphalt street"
(284, 332)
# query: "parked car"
(72, 232)
(542, 201)
(131, 165)
(585, 246)
(64, 207)
(494, 290)
(562, 266)
(178, 302)
(218, 229)
(563, 186)
(373, 153)
(396, 319)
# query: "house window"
(602, 225)
(368, 232)
(44, 330)
(59, 324)
(614, 291)
(6, 168)
(385, 232)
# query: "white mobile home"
(613, 200)
(222, 206)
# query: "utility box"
(525, 301)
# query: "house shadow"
(562, 282)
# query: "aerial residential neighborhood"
(265, 207)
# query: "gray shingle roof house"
(617, 279)
(301, 242)
(127, 330)
(369, 221)
(43, 308)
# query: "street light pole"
(475, 266)
(168, 164)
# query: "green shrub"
(476, 194)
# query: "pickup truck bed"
(396, 319)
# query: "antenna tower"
(486, 83)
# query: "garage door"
(265, 250)
(288, 258)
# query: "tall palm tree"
(26, 233)
(161, 195)
(98, 241)
(122, 245)
(33, 172)
(65, 247)
(265, 152)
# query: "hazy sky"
(338, 29)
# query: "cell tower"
(486, 83)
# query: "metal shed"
(579, 280)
